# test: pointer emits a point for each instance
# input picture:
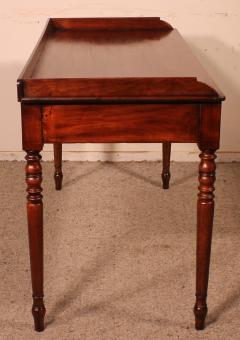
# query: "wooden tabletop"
(114, 58)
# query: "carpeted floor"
(119, 253)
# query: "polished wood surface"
(35, 234)
(32, 137)
(107, 123)
(117, 80)
(127, 23)
(65, 53)
(205, 211)
(58, 175)
(166, 155)
(100, 58)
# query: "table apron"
(120, 123)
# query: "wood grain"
(123, 80)
(166, 155)
(32, 138)
(125, 123)
(133, 23)
(205, 213)
(209, 126)
(35, 233)
(140, 58)
(58, 175)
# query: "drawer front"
(147, 123)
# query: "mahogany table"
(117, 80)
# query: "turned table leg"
(205, 212)
(166, 153)
(58, 175)
(35, 233)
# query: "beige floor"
(119, 254)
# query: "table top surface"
(99, 55)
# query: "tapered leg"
(35, 233)
(166, 152)
(205, 212)
(58, 175)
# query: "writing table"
(117, 80)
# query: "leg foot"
(58, 175)
(205, 212)
(200, 312)
(38, 312)
(166, 152)
(58, 181)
